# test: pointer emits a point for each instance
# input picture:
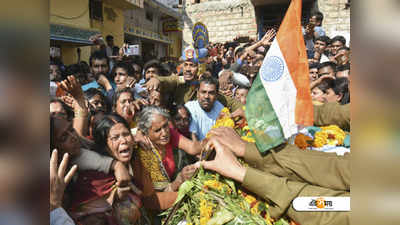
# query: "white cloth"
(53, 89)
(324, 58)
(202, 121)
(60, 217)
(241, 80)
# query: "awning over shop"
(71, 35)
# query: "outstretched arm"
(73, 87)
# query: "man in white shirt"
(206, 109)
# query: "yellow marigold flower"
(254, 209)
(249, 199)
(225, 110)
(248, 139)
(331, 135)
(214, 184)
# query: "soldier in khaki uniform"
(184, 88)
(286, 172)
(332, 113)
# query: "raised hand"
(269, 35)
(58, 179)
(103, 81)
(72, 86)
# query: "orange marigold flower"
(302, 141)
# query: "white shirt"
(202, 121)
(60, 217)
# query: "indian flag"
(279, 100)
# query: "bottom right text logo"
(321, 204)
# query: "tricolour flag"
(280, 99)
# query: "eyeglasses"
(180, 119)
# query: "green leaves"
(184, 189)
(281, 222)
(221, 217)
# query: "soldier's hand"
(228, 137)
(152, 85)
(225, 162)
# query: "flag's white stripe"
(281, 92)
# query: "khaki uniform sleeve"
(275, 190)
(168, 84)
(332, 113)
(229, 102)
(252, 156)
(279, 192)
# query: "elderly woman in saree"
(162, 159)
(97, 197)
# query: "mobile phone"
(132, 50)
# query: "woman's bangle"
(80, 114)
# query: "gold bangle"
(80, 114)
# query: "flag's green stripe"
(261, 117)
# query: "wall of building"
(336, 17)
(111, 26)
(176, 46)
(136, 18)
(225, 19)
(74, 13)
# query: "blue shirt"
(94, 84)
(202, 121)
(60, 217)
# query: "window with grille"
(149, 16)
(96, 9)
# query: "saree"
(94, 201)
(162, 170)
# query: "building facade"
(227, 19)
(337, 17)
(73, 22)
(155, 28)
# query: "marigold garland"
(328, 135)
(225, 121)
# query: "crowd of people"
(135, 130)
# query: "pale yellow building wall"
(70, 12)
(75, 13)
(115, 28)
(176, 44)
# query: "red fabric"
(168, 161)
(214, 52)
(91, 185)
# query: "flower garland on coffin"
(209, 198)
(327, 139)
